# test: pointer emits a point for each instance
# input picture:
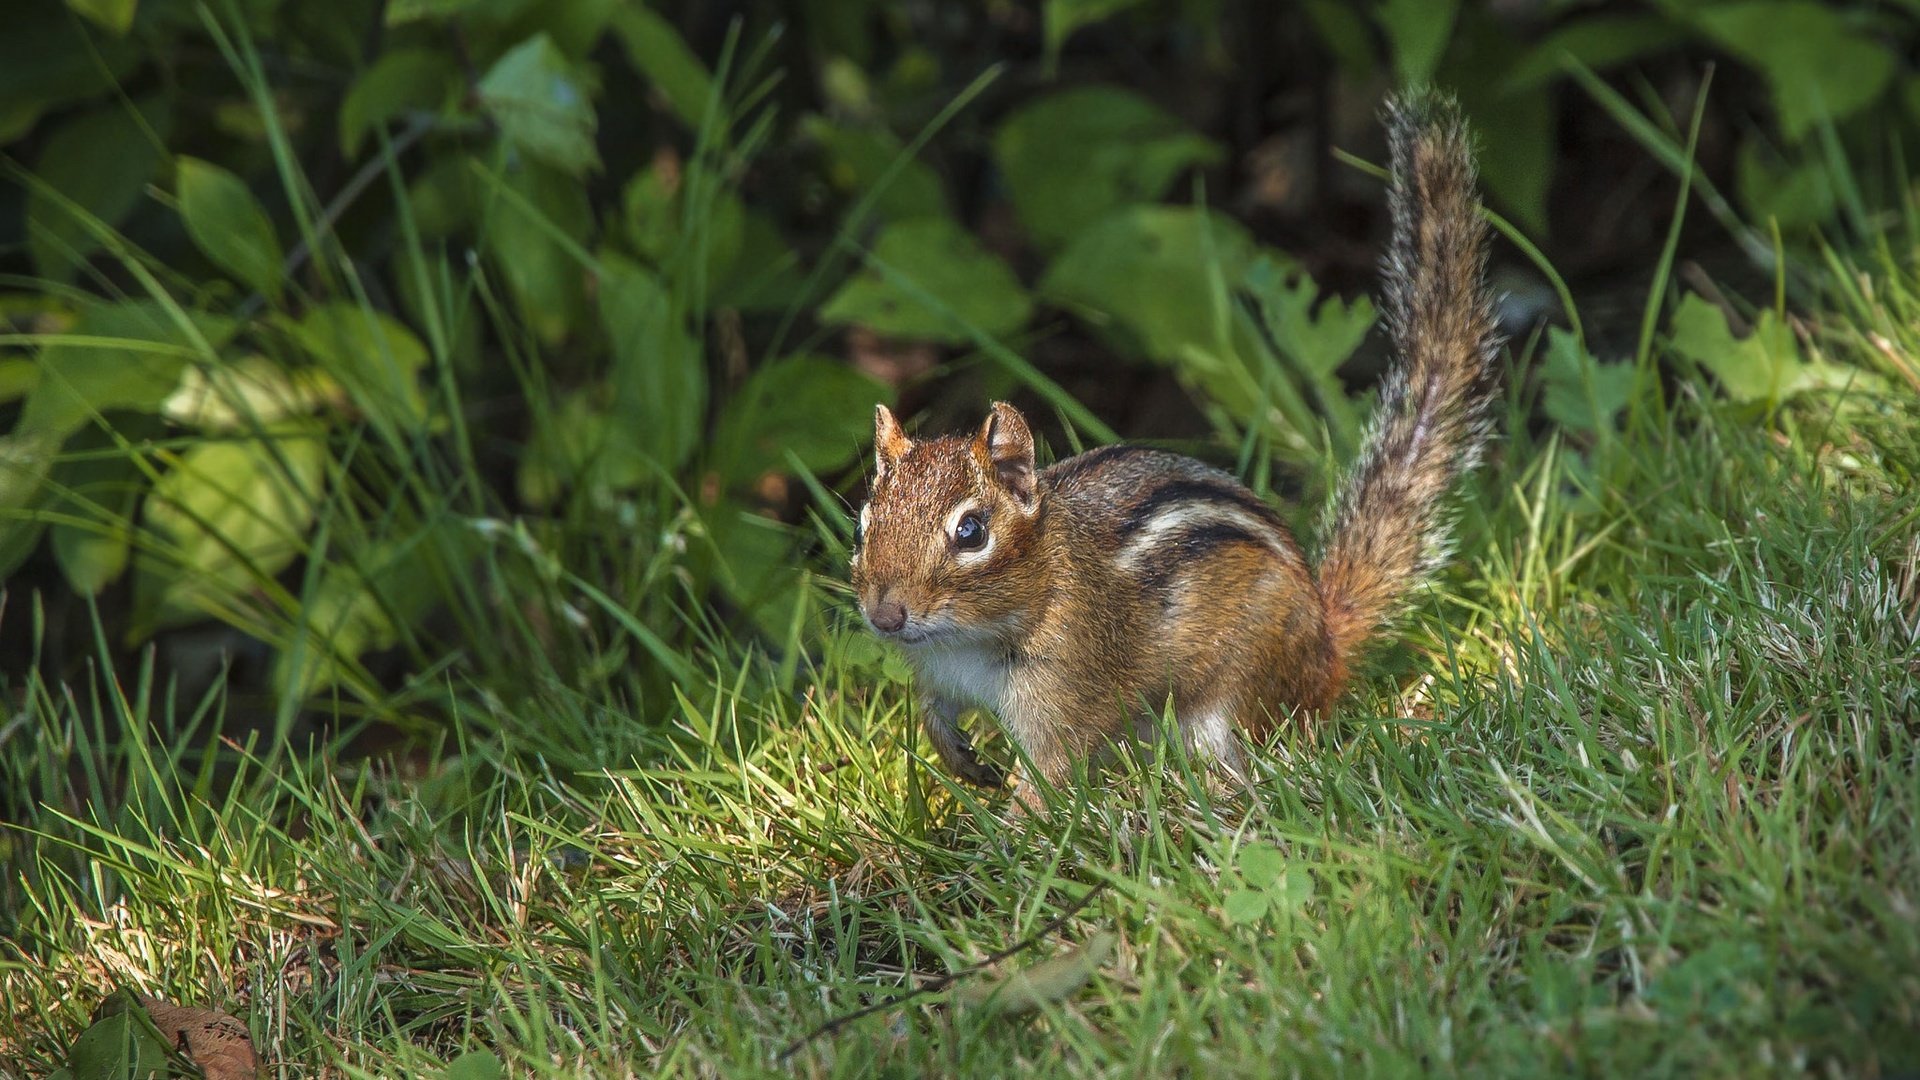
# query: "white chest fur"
(965, 672)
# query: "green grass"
(1637, 793)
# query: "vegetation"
(430, 432)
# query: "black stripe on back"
(1099, 455)
(1184, 548)
(1176, 492)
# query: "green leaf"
(131, 358)
(100, 161)
(1291, 891)
(1075, 156)
(400, 12)
(101, 486)
(48, 59)
(1243, 906)
(227, 515)
(655, 209)
(113, 16)
(475, 1065)
(363, 601)
(660, 374)
(247, 394)
(1262, 865)
(119, 1044)
(658, 52)
(1599, 42)
(1417, 31)
(1317, 333)
(1765, 366)
(228, 226)
(530, 240)
(1793, 194)
(1060, 18)
(399, 82)
(1813, 61)
(579, 443)
(1153, 271)
(1581, 393)
(1048, 982)
(1514, 131)
(25, 462)
(859, 158)
(543, 105)
(817, 409)
(930, 279)
(375, 358)
(17, 379)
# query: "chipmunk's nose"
(888, 616)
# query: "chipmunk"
(1075, 602)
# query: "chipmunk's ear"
(890, 444)
(1005, 444)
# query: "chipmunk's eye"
(970, 534)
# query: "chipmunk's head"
(945, 543)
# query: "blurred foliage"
(423, 325)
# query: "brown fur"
(1122, 579)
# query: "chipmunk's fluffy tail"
(1388, 526)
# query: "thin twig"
(940, 983)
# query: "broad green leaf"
(352, 611)
(1795, 195)
(400, 12)
(657, 220)
(580, 444)
(1513, 131)
(119, 1044)
(1154, 272)
(1344, 29)
(25, 462)
(660, 375)
(228, 514)
(1599, 42)
(100, 161)
(1292, 890)
(1417, 31)
(1813, 60)
(1262, 865)
(17, 379)
(1765, 366)
(930, 279)
(1243, 906)
(543, 105)
(399, 82)
(375, 358)
(48, 59)
(474, 1065)
(657, 50)
(757, 564)
(101, 486)
(1060, 18)
(1048, 982)
(1317, 333)
(526, 238)
(1073, 157)
(1581, 393)
(817, 409)
(447, 196)
(860, 159)
(113, 16)
(248, 394)
(127, 355)
(228, 225)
